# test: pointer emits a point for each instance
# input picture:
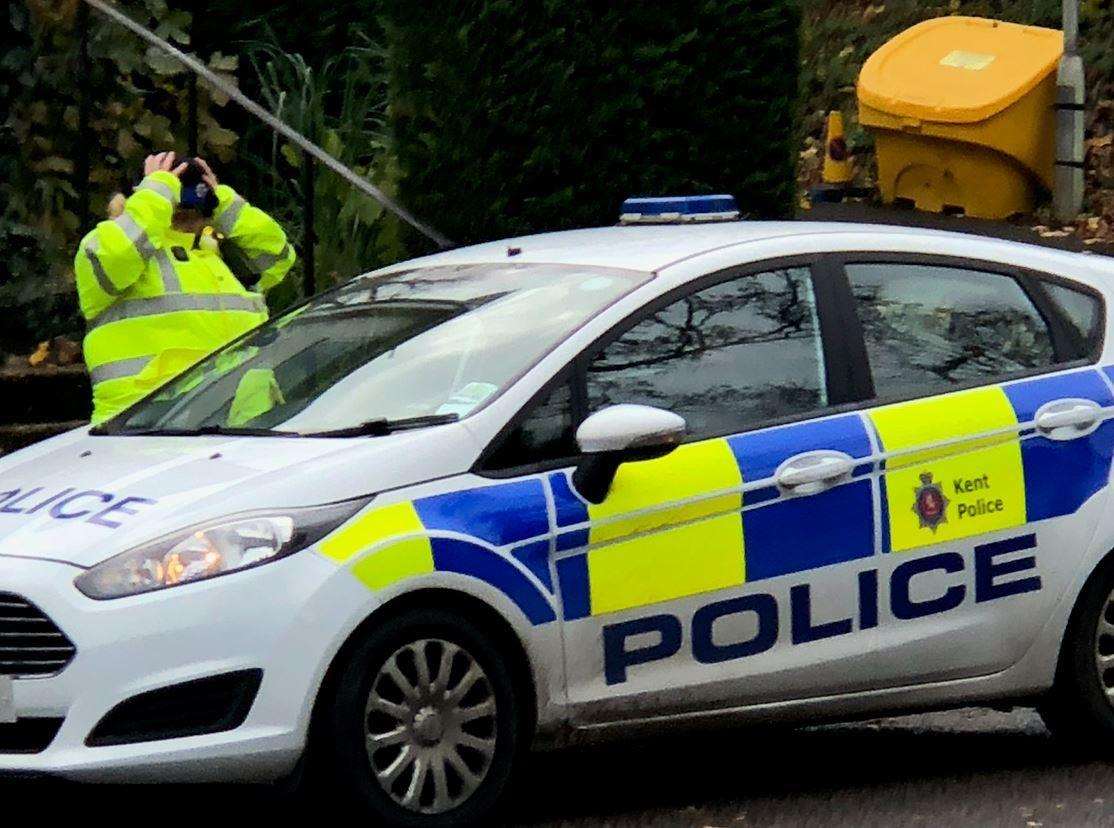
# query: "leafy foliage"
(544, 114)
(510, 117)
(138, 105)
(341, 106)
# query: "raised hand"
(162, 162)
(209, 177)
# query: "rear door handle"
(1068, 419)
(814, 471)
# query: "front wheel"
(426, 723)
(1080, 707)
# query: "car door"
(686, 588)
(994, 455)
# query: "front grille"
(30, 643)
(209, 705)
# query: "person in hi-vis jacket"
(155, 293)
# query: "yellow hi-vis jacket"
(156, 301)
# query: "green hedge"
(511, 117)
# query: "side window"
(929, 328)
(547, 432)
(1083, 313)
(728, 357)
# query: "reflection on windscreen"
(415, 344)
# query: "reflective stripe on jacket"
(155, 301)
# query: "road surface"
(969, 767)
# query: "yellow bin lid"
(958, 70)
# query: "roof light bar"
(679, 209)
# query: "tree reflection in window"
(731, 356)
(929, 329)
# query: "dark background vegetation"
(486, 117)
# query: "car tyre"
(1079, 710)
(427, 722)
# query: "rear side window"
(929, 329)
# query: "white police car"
(571, 485)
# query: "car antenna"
(214, 81)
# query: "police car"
(571, 486)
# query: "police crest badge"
(930, 503)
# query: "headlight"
(215, 548)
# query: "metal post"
(1067, 193)
(83, 110)
(309, 238)
(1071, 27)
(192, 138)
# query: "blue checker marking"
(760, 453)
(766, 493)
(1060, 476)
(451, 555)
(1027, 396)
(802, 533)
(784, 535)
(500, 515)
(570, 508)
(535, 557)
(573, 539)
(884, 517)
(572, 573)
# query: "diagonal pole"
(214, 81)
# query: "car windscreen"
(411, 347)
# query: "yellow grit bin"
(962, 113)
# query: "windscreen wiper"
(205, 431)
(383, 426)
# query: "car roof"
(655, 247)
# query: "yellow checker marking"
(982, 479)
(394, 562)
(371, 528)
(668, 561)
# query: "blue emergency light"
(679, 209)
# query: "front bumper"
(287, 618)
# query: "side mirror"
(622, 434)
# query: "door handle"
(1068, 419)
(813, 471)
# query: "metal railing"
(312, 154)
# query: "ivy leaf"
(292, 155)
(54, 164)
(162, 63)
(220, 137)
(224, 63)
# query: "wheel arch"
(1103, 568)
(475, 609)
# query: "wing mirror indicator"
(622, 434)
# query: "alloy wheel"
(430, 726)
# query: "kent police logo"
(930, 503)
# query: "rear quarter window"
(1082, 311)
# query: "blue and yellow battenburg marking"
(681, 525)
(492, 533)
(961, 489)
(988, 483)
(710, 544)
